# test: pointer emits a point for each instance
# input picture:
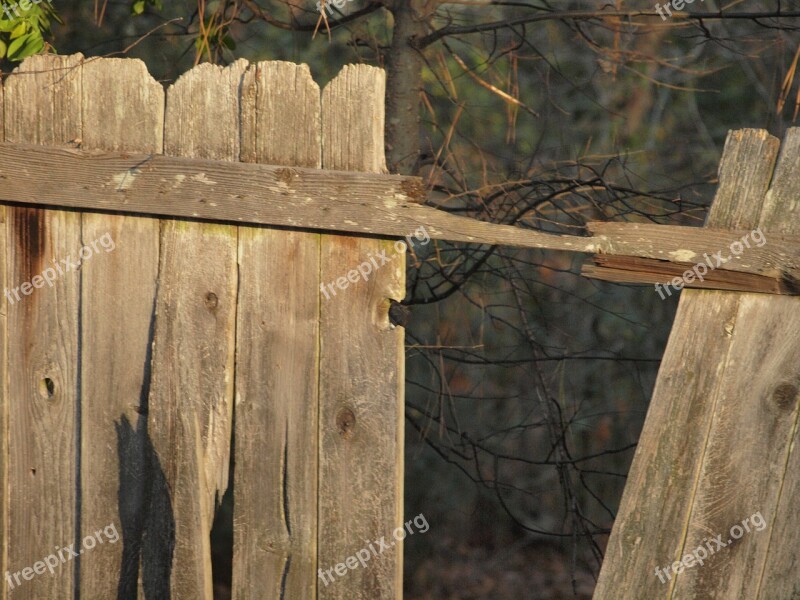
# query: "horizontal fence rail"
(377, 204)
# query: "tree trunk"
(403, 88)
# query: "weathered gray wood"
(779, 576)
(753, 433)
(627, 269)
(656, 509)
(777, 256)
(363, 203)
(187, 187)
(123, 109)
(42, 368)
(745, 452)
(191, 399)
(361, 389)
(275, 489)
(781, 209)
(771, 267)
(3, 384)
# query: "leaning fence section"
(709, 507)
(130, 343)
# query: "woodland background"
(527, 385)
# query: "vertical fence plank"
(3, 388)
(42, 108)
(361, 366)
(742, 473)
(123, 107)
(191, 400)
(656, 513)
(275, 489)
(779, 575)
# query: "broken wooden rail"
(374, 204)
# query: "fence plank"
(42, 370)
(779, 577)
(757, 401)
(655, 510)
(361, 366)
(277, 366)
(191, 400)
(123, 108)
(3, 385)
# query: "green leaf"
(34, 46)
(19, 30)
(24, 36)
(229, 43)
(15, 46)
(137, 8)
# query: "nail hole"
(211, 301)
(47, 388)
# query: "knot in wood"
(785, 396)
(287, 175)
(414, 188)
(345, 422)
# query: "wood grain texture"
(757, 402)
(781, 209)
(332, 200)
(3, 384)
(769, 258)
(779, 574)
(207, 189)
(361, 366)
(742, 472)
(191, 399)
(123, 109)
(655, 513)
(627, 269)
(777, 255)
(275, 489)
(43, 331)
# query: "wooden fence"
(719, 444)
(165, 263)
(120, 380)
